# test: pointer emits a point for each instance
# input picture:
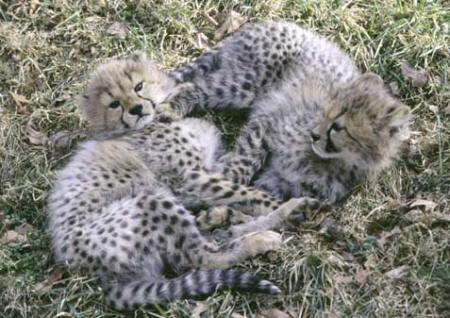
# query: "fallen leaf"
(19, 99)
(398, 272)
(236, 315)
(361, 276)
(12, 238)
(275, 313)
(340, 279)
(231, 23)
(440, 217)
(395, 90)
(45, 286)
(385, 235)
(62, 139)
(33, 6)
(119, 29)
(200, 308)
(446, 110)
(35, 137)
(414, 215)
(202, 42)
(418, 78)
(428, 205)
(23, 229)
(371, 261)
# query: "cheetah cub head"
(125, 94)
(364, 125)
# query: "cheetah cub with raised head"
(119, 207)
(317, 126)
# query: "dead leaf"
(361, 276)
(45, 286)
(385, 235)
(398, 272)
(395, 90)
(61, 140)
(437, 216)
(119, 29)
(446, 110)
(23, 229)
(33, 6)
(428, 205)
(202, 42)
(37, 138)
(12, 238)
(236, 315)
(371, 261)
(275, 313)
(418, 78)
(414, 215)
(340, 279)
(231, 23)
(19, 99)
(200, 308)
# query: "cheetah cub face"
(125, 94)
(363, 123)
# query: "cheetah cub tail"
(191, 284)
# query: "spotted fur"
(317, 126)
(120, 206)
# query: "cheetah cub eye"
(124, 94)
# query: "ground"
(384, 253)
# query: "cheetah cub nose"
(136, 110)
(314, 136)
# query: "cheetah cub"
(119, 208)
(317, 126)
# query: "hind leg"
(272, 221)
(220, 216)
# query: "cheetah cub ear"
(124, 94)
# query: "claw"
(297, 218)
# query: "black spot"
(228, 194)
(153, 205)
(155, 219)
(168, 230)
(173, 219)
(167, 205)
(393, 131)
(185, 223)
(216, 189)
(247, 86)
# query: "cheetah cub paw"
(298, 209)
(261, 242)
(166, 113)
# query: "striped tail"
(192, 284)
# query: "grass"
(374, 256)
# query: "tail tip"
(269, 287)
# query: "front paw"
(166, 113)
(298, 209)
(261, 242)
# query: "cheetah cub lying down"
(119, 207)
(317, 126)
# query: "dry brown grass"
(375, 256)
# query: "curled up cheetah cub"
(119, 207)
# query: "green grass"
(338, 265)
